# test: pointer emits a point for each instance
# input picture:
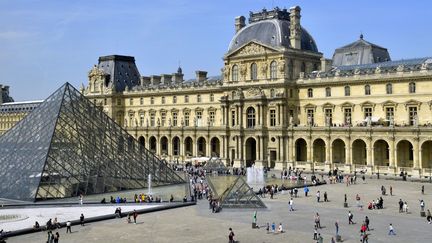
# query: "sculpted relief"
(251, 49)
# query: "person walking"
(401, 204)
(391, 230)
(291, 203)
(320, 238)
(422, 205)
(268, 228)
(367, 223)
(82, 219)
(429, 217)
(364, 238)
(135, 216)
(80, 199)
(391, 191)
(273, 227)
(422, 189)
(325, 197)
(318, 195)
(306, 191)
(315, 237)
(56, 237)
(337, 228)
(350, 218)
(231, 236)
(68, 227)
(317, 221)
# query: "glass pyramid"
(240, 195)
(67, 147)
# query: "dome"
(271, 32)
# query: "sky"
(45, 43)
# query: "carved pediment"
(255, 92)
(252, 48)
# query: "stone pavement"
(198, 224)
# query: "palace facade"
(279, 103)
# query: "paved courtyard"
(198, 224)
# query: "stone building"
(279, 103)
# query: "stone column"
(208, 149)
(328, 151)
(195, 146)
(309, 150)
(259, 115)
(391, 154)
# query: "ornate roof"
(122, 71)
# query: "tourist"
(325, 197)
(117, 212)
(422, 205)
(82, 219)
(350, 218)
(405, 207)
(185, 199)
(422, 189)
(273, 227)
(320, 238)
(317, 221)
(268, 228)
(429, 216)
(295, 192)
(337, 228)
(135, 215)
(358, 201)
(36, 225)
(231, 236)
(50, 238)
(364, 238)
(291, 202)
(367, 223)
(363, 228)
(68, 227)
(401, 204)
(318, 195)
(56, 237)
(332, 240)
(391, 191)
(280, 228)
(315, 237)
(171, 199)
(306, 190)
(391, 230)
(56, 224)
(80, 199)
(49, 224)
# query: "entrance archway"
(359, 152)
(141, 141)
(319, 149)
(426, 153)
(250, 152)
(338, 151)
(381, 153)
(215, 147)
(405, 154)
(164, 145)
(301, 149)
(201, 143)
(176, 146)
(188, 143)
(153, 144)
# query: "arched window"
(347, 91)
(367, 89)
(412, 87)
(250, 117)
(328, 92)
(310, 93)
(234, 76)
(254, 72)
(389, 89)
(273, 70)
(303, 67)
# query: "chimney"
(239, 23)
(201, 75)
(325, 64)
(295, 28)
(155, 80)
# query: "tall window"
(152, 100)
(347, 90)
(186, 99)
(367, 89)
(310, 117)
(186, 119)
(413, 115)
(198, 98)
(367, 112)
(272, 118)
(250, 117)
(347, 116)
(130, 101)
(389, 113)
(141, 120)
(389, 89)
(254, 71)
(198, 118)
(174, 116)
(211, 118)
(174, 99)
(119, 101)
(273, 70)
(163, 99)
(211, 97)
(141, 101)
(234, 74)
(152, 119)
(412, 87)
(310, 93)
(328, 92)
(328, 117)
(163, 118)
(233, 118)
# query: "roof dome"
(271, 32)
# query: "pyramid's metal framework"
(240, 195)
(215, 164)
(67, 147)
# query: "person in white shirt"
(280, 229)
(291, 203)
(391, 230)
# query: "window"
(254, 72)
(389, 113)
(131, 118)
(198, 118)
(163, 118)
(347, 90)
(272, 118)
(141, 120)
(250, 117)
(367, 89)
(211, 118)
(273, 70)
(174, 99)
(310, 117)
(367, 112)
(272, 93)
(328, 117)
(130, 101)
(198, 98)
(389, 89)
(412, 87)
(347, 116)
(233, 118)
(152, 119)
(174, 116)
(141, 101)
(328, 92)
(186, 119)
(412, 115)
(119, 101)
(310, 93)
(105, 101)
(186, 99)
(234, 74)
(152, 100)
(211, 97)
(163, 100)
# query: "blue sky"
(46, 43)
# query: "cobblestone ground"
(198, 224)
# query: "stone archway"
(381, 153)
(250, 151)
(319, 150)
(359, 152)
(188, 146)
(338, 151)
(215, 147)
(301, 150)
(164, 145)
(201, 146)
(176, 146)
(141, 141)
(426, 153)
(405, 154)
(153, 146)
